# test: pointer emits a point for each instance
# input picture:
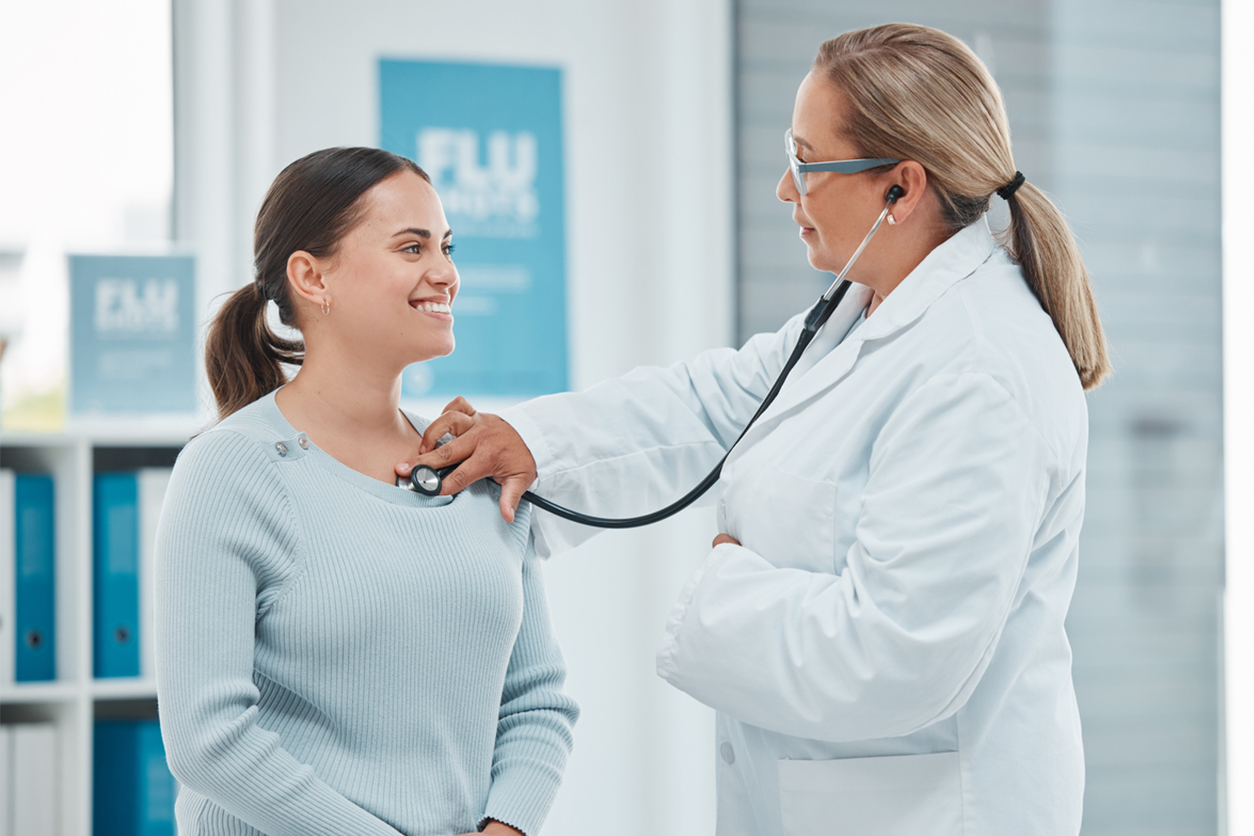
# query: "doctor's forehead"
(818, 115)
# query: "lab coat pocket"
(903, 795)
(786, 519)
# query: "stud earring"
(326, 307)
(891, 220)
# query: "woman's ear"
(304, 275)
(911, 178)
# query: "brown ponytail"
(917, 93)
(310, 207)
(243, 357)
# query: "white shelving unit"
(75, 699)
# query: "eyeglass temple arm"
(845, 166)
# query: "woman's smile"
(440, 309)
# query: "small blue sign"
(133, 334)
(490, 138)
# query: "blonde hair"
(917, 93)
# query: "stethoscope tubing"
(705, 484)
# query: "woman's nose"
(444, 275)
(786, 189)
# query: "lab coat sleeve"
(633, 444)
(958, 481)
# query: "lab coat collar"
(943, 268)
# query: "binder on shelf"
(152, 485)
(126, 508)
(35, 656)
(134, 791)
(6, 780)
(35, 779)
(115, 575)
(8, 577)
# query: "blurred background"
(151, 126)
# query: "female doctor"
(880, 626)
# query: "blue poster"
(132, 334)
(490, 138)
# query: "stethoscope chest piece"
(424, 480)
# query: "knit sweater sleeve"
(533, 733)
(226, 546)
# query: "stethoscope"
(428, 480)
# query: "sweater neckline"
(389, 493)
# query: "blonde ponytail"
(1044, 247)
(917, 93)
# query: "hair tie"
(1007, 191)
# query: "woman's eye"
(412, 248)
(448, 249)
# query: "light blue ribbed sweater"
(339, 656)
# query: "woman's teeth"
(434, 307)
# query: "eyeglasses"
(800, 169)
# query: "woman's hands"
(486, 445)
(724, 538)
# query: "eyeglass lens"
(790, 148)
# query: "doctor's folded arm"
(880, 624)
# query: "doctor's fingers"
(485, 459)
(445, 454)
(486, 445)
(450, 423)
(460, 404)
(499, 452)
(512, 489)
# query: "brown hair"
(310, 206)
(920, 94)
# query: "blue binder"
(35, 541)
(133, 791)
(115, 565)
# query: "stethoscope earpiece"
(895, 194)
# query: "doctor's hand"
(485, 445)
(724, 538)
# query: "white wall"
(1238, 184)
(647, 108)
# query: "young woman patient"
(335, 654)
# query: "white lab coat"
(885, 648)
